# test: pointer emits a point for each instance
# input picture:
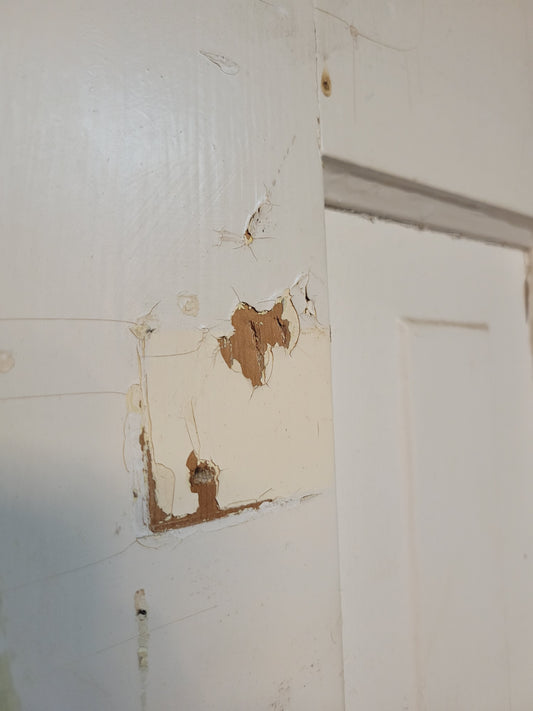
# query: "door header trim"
(354, 188)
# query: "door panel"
(432, 408)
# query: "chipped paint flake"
(145, 325)
(255, 333)
(203, 481)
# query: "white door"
(432, 408)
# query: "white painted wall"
(131, 135)
(436, 92)
(126, 146)
(431, 361)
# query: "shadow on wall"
(66, 575)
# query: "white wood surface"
(372, 193)
(132, 134)
(433, 417)
(435, 92)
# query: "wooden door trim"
(364, 191)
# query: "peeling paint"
(199, 446)
(225, 64)
(255, 227)
(145, 325)
(304, 303)
(256, 223)
(134, 398)
(203, 481)
(7, 361)
(203, 478)
(256, 333)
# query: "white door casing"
(433, 412)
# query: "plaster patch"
(214, 443)
(189, 304)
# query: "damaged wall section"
(229, 443)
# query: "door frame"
(371, 193)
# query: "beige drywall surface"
(160, 167)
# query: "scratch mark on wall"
(69, 571)
(7, 361)
(145, 325)
(205, 333)
(143, 636)
(281, 10)
(225, 64)
(255, 333)
(356, 33)
(66, 318)
(90, 392)
(152, 630)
